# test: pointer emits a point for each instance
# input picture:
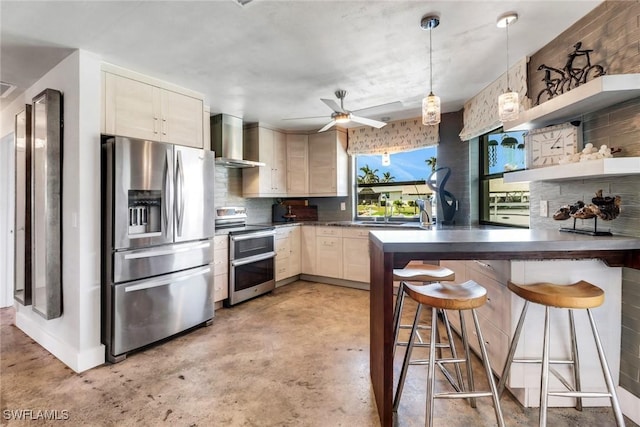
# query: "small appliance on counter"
(293, 210)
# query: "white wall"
(73, 338)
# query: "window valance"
(396, 136)
(481, 112)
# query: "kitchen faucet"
(386, 204)
(425, 221)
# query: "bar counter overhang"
(391, 249)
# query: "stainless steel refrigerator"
(157, 237)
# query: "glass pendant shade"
(431, 110)
(386, 159)
(508, 106)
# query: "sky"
(405, 166)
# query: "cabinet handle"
(155, 125)
(483, 265)
(164, 126)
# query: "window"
(395, 187)
(502, 203)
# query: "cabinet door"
(295, 256)
(356, 259)
(329, 256)
(279, 164)
(297, 165)
(308, 249)
(130, 108)
(322, 164)
(181, 121)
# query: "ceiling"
(275, 59)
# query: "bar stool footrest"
(588, 394)
(462, 395)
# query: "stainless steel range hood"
(226, 141)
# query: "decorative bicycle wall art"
(576, 71)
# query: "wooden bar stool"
(580, 295)
(424, 274)
(466, 296)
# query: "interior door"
(194, 207)
(143, 193)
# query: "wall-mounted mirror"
(46, 204)
(22, 240)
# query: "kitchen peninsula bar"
(391, 249)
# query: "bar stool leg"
(397, 314)
(487, 367)
(575, 358)
(407, 359)
(544, 386)
(467, 352)
(617, 411)
(512, 350)
(431, 371)
(452, 347)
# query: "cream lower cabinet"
(138, 109)
(308, 249)
(499, 316)
(220, 268)
(355, 250)
(287, 252)
(329, 252)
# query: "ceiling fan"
(340, 115)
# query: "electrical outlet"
(544, 208)
(343, 206)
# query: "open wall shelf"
(589, 169)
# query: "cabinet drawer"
(282, 269)
(494, 269)
(496, 341)
(283, 247)
(220, 242)
(497, 309)
(329, 231)
(220, 261)
(356, 232)
(458, 267)
(220, 287)
(283, 232)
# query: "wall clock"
(546, 146)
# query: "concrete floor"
(296, 357)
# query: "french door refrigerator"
(157, 237)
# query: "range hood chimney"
(226, 141)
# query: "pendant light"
(386, 159)
(430, 104)
(508, 102)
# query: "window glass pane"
(394, 187)
(504, 152)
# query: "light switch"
(343, 206)
(544, 208)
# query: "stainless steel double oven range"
(251, 255)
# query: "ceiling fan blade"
(382, 108)
(307, 118)
(327, 126)
(333, 105)
(365, 121)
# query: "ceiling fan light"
(431, 110)
(386, 159)
(342, 118)
(508, 106)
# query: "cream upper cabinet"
(328, 164)
(141, 110)
(270, 147)
(297, 165)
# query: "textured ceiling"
(271, 60)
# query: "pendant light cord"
(507, 28)
(431, 66)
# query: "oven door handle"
(249, 236)
(251, 259)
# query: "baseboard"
(78, 361)
(334, 281)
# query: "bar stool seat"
(460, 297)
(425, 274)
(579, 295)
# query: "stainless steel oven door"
(251, 244)
(250, 277)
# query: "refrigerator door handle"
(149, 254)
(168, 191)
(180, 192)
(166, 281)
